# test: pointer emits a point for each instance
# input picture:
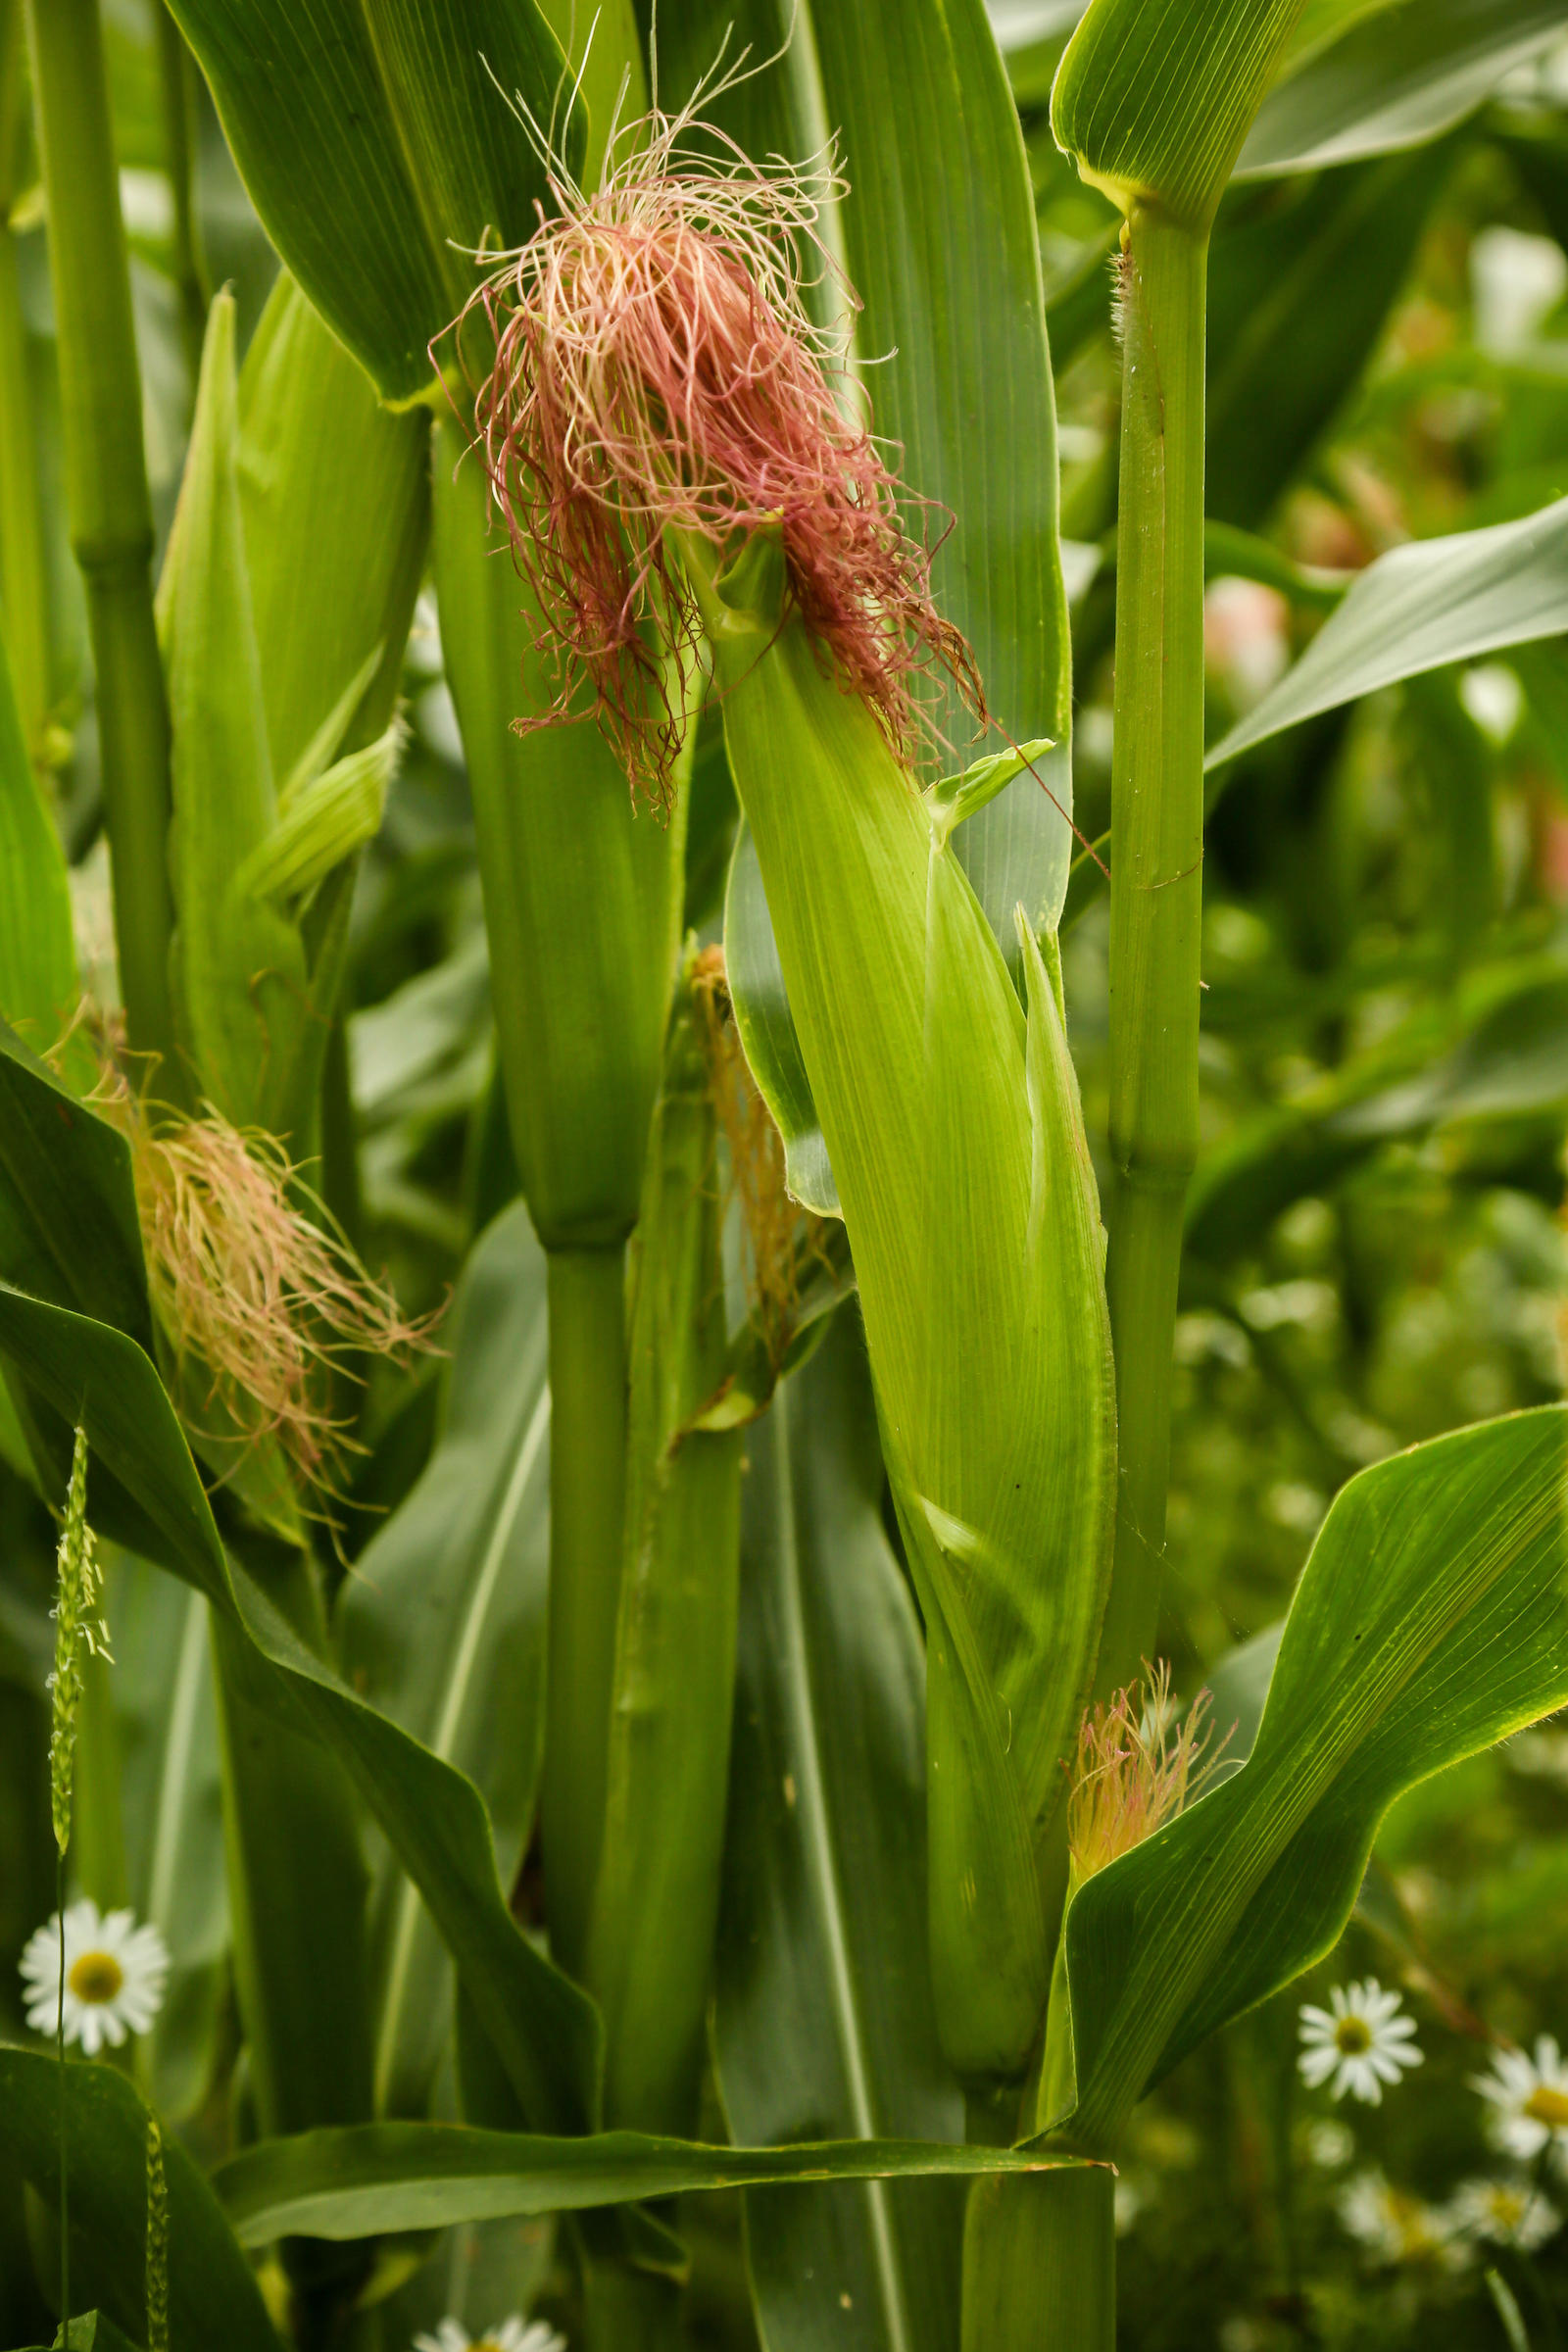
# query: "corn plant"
(603, 1333)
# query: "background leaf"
(1417, 607)
(1430, 1619)
(823, 2021)
(377, 151)
(213, 2295)
(380, 2176)
(1394, 78)
(442, 1624)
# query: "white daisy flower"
(506, 2335)
(1363, 2041)
(1529, 2101)
(1510, 2213)
(1396, 2227)
(115, 1975)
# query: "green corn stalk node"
(262, 858)
(656, 1900)
(1154, 104)
(957, 1140)
(582, 897)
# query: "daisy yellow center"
(95, 1976)
(1352, 2035)
(1548, 2106)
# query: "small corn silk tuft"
(657, 378)
(1138, 1768)
(250, 1283)
(777, 1230)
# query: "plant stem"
(1040, 2262)
(60, 2059)
(587, 1505)
(24, 588)
(1156, 885)
(106, 497)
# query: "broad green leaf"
(379, 150)
(823, 2018)
(1395, 79)
(938, 237)
(163, 1711)
(441, 1626)
(148, 1494)
(213, 2295)
(92, 2331)
(77, 1243)
(1299, 290)
(39, 983)
(768, 1031)
(382, 2176)
(1154, 100)
(1417, 607)
(1431, 1621)
(335, 498)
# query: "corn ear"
(656, 1902)
(240, 974)
(957, 1141)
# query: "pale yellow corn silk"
(250, 1283)
(781, 1238)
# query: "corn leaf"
(1154, 98)
(360, 2181)
(938, 237)
(80, 1245)
(1394, 78)
(379, 150)
(441, 1626)
(1417, 607)
(1431, 1621)
(212, 2294)
(823, 2018)
(149, 1496)
(39, 983)
(163, 1713)
(1299, 291)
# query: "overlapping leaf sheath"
(957, 1141)
(656, 1902)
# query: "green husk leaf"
(322, 823)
